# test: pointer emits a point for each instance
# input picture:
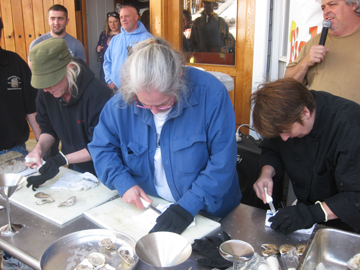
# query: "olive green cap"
(48, 61)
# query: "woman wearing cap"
(168, 133)
(112, 28)
(68, 108)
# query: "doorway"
(96, 11)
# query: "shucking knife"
(269, 201)
(148, 205)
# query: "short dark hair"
(279, 104)
(187, 15)
(58, 7)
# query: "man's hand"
(315, 55)
(292, 218)
(264, 180)
(175, 219)
(112, 86)
(33, 159)
(47, 171)
(99, 48)
(132, 196)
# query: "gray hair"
(153, 65)
(349, 3)
(72, 72)
(356, 3)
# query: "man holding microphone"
(334, 67)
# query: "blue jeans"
(21, 148)
(102, 75)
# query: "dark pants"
(102, 75)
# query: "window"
(209, 31)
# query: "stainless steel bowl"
(163, 249)
(70, 250)
(332, 247)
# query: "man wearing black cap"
(17, 102)
(68, 108)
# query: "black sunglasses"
(113, 14)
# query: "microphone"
(326, 25)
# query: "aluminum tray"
(70, 250)
(332, 247)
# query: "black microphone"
(326, 25)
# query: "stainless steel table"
(244, 223)
(247, 223)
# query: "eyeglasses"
(113, 14)
(160, 107)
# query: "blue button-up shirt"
(198, 147)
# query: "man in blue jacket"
(169, 133)
(132, 32)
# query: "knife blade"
(148, 205)
(269, 201)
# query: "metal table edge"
(22, 256)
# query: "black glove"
(209, 248)
(175, 219)
(292, 218)
(47, 171)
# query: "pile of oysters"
(45, 198)
(97, 260)
(271, 249)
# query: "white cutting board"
(85, 199)
(128, 219)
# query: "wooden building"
(25, 20)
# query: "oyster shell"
(284, 249)
(69, 202)
(354, 262)
(44, 200)
(96, 259)
(107, 243)
(270, 246)
(300, 248)
(269, 250)
(126, 252)
(41, 195)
